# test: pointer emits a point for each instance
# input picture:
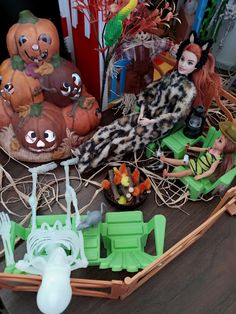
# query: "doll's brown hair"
(205, 79)
(228, 157)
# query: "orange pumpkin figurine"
(35, 39)
(42, 130)
(64, 85)
(18, 88)
(81, 120)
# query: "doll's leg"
(115, 139)
(172, 161)
(178, 174)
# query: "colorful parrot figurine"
(114, 27)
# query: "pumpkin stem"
(36, 110)
(26, 16)
(17, 63)
(56, 61)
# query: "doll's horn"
(191, 38)
(205, 46)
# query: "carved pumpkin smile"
(41, 57)
(40, 140)
(76, 93)
(72, 92)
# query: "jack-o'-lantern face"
(72, 87)
(64, 85)
(42, 130)
(40, 140)
(35, 40)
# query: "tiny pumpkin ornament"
(18, 88)
(64, 85)
(82, 120)
(6, 113)
(42, 130)
(34, 39)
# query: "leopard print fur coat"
(167, 101)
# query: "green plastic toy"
(123, 234)
(203, 186)
(176, 143)
(74, 241)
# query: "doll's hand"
(173, 50)
(198, 177)
(145, 121)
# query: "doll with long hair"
(206, 80)
(221, 153)
(162, 105)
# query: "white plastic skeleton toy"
(46, 249)
(5, 233)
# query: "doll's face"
(187, 62)
(143, 36)
(220, 143)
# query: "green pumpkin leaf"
(26, 16)
(56, 61)
(36, 110)
(80, 101)
(17, 63)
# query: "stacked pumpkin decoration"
(44, 105)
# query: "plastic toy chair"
(204, 186)
(153, 146)
(125, 235)
(91, 237)
(176, 142)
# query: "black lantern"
(195, 122)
